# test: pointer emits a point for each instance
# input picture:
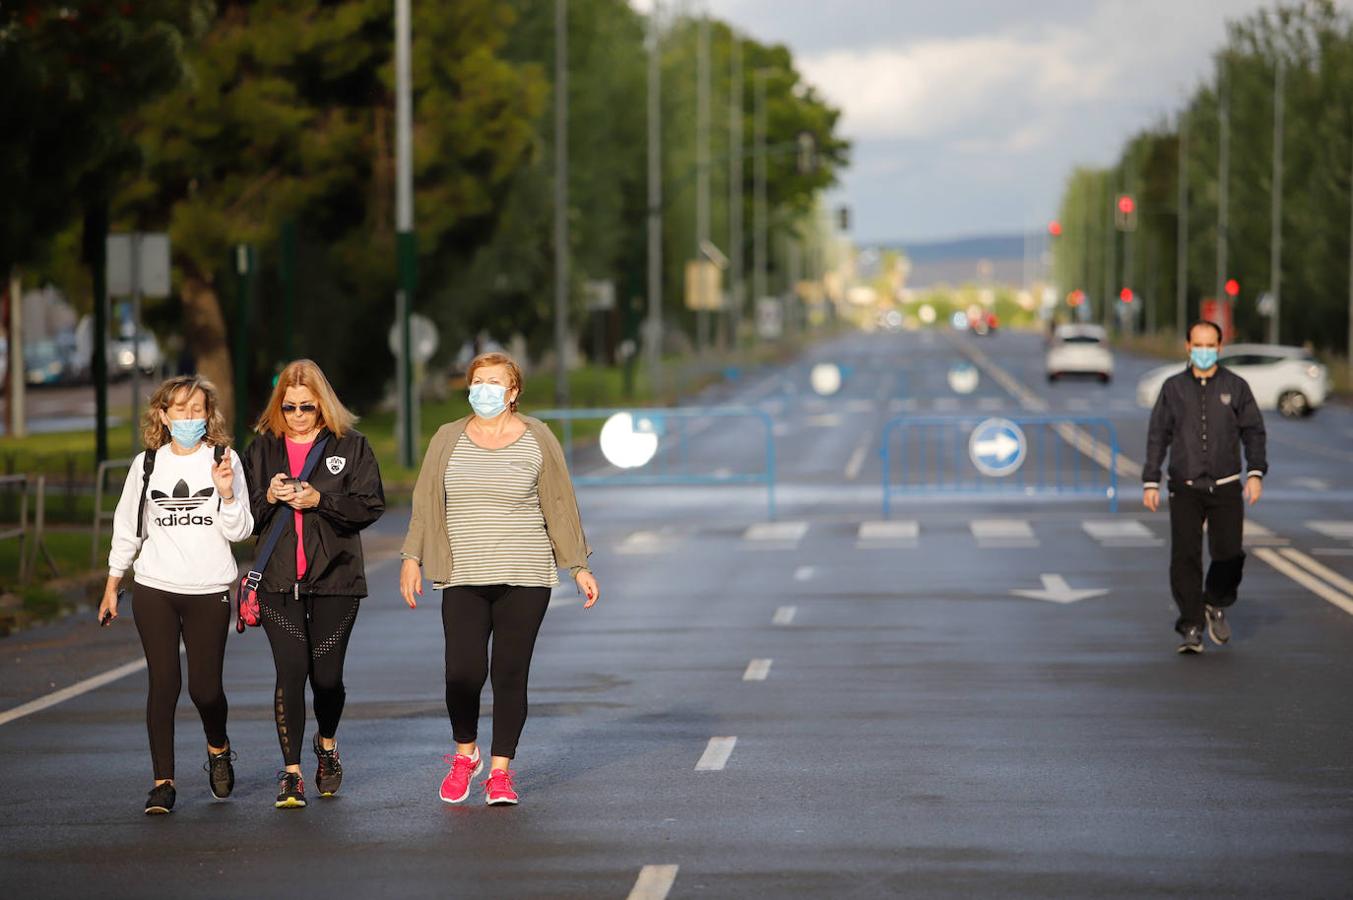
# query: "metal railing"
(670, 465)
(1064, 456)
(100, 515)
(31, 542)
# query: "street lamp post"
(653, 333)
(735, 286)
(1276, 238)
(405, 247)
(1181, 287)
(561, 202)
(759, 213)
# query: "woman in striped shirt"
(494, 518)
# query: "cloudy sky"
(967, 115)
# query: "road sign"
(964, 378)
(148, 271)
(997, 447)
(769, 318)
(423, 338)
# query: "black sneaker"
(1192, 641)
(329, 773)
(221, 774)
(290, 790)
(161, 799)
(1217, 627)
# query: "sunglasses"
(306, 408)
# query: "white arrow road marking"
(1056, 590)
(1001, 447)
(784, 615)
(716, 754)
(757, 670)
(654, 883)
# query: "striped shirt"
(493, 516)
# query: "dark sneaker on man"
(329, 773)
(161, 799)
(1217, 627)
(290, 790)
(220, 772)
(1192, 641)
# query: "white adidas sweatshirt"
(189, 528)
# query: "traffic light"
(1055, 228)
(1126, 295)
(1075, 298)
(1125, 213)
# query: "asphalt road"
(826, 707)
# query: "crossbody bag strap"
(269, 544)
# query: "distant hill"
(956, 261)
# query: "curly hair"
(155, 434)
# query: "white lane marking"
(1325, 572)
(1337, 530)
(1256, 535)
(856, 461)
(826, 420)
(859, 406)
(716, 754)
(1332, 551)
(892, 533)
(654, 883)
(776, 533)
(1121, 533)
(946, 404)
(75, 690)
(1003, 533)
(642, 542)
(1305, 579)
(1056, 590)
(757, 670)
(1312, 484)
(784, 615)
(804, 573)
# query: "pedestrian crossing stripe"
(776, 533)
(889, 534)
(1121, 533)
(1003, 533)
(1336, 530)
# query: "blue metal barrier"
(669, 465)
(1063, 456)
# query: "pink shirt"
(296, 454)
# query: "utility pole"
(1223, 177)
(404, 236)
(561, 202)
(135, 242)
(653, 332)
(759, 215)
(702, 169)
(1275, 246)
(1181, 285)
(735, 286)
(1110, 250)
(1349, 349)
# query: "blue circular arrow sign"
(997, 447)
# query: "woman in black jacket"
(313, 581)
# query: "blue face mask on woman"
(488, 400)
(1203, 358)
(187, 432)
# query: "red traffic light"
(1076, 297)
(1125, 295)
(1055, 228)
(1232, 287)
(1126, 205)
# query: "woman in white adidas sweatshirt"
(184, 501)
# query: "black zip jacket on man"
(350, 498)
(1203, 422)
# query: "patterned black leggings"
(309, 639)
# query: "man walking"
(1202, 416)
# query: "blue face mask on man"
(488, 400)
(1203, 358)
(187, 432)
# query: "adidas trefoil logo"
(181, 504)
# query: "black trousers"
(202, 621)
(512, 616)
(309, 637)
(1223, 510)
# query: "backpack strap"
(147, 466)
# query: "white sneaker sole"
(502, 801)
(479, 767)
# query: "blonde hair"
(498, 359)
(305, 373)
(155, 434)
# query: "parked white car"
(1080, 350)
(1288, 379)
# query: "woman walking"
(313, 477)
(494, 518)
(181, 506)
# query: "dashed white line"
(804, 573)
(654, 883)
(637, 542)
(856, 462)
(776, 533)
(757, 670)
(784, 615)
(75, 690)
(890, 533)
(716, 754)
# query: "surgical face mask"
(488, 400)
(1203, 358)
(187, 432)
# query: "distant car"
(983, 323)
(1288, 379)
(43, 363)
(122, 356)
(1079, 350)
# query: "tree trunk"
(205, 330)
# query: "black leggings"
(202, 621)
(309, 638)
(512, 615)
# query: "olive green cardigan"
(427, 541)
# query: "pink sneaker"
(498, 790)
(456, 784)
